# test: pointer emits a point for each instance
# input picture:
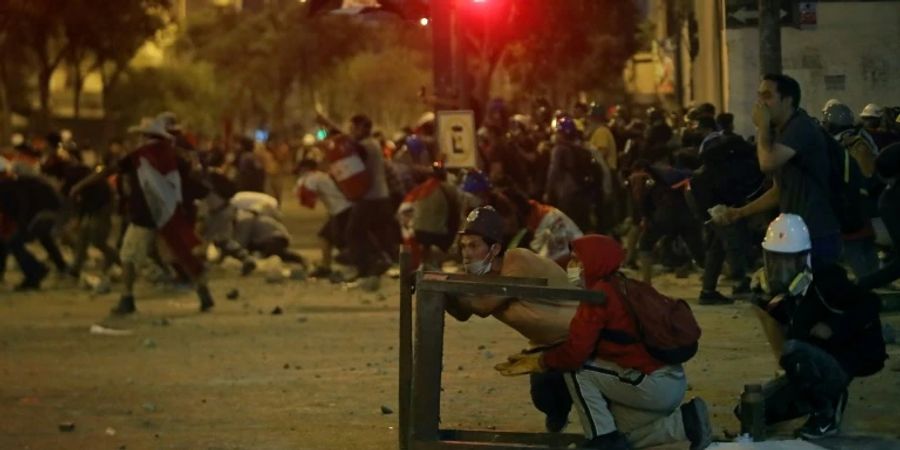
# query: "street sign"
(456, 138)
(745, 13)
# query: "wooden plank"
(455, 288)
(427, 364)
(406, 351)
(484, 278)
(546, 439)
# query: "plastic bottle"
(753, 412)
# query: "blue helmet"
(566, 126)
(415, 146)
(475, 182)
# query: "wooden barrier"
(421, 359)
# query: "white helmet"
(872, 110)
(787, 234)
(830, 103)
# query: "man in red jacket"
(624, 397)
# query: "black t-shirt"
(135, 203)
(93, 197)
(804, 179)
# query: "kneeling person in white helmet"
(829, 328)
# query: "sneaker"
(247, 267)
(695, 415)
(555, 423)
(206, 301)
(714, 298)
(819, 425)
(320, 272)
(125, 306)
(609, 441)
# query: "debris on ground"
(66, 427)
(149, 343)
(385, 410)
(105, 331)
(233, 294)
(277, 311)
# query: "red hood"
(600, 255)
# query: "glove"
(520, 364)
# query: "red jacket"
(601, 257)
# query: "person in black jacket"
(831, 331)
(887, 165)
(32, 204)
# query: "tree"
(39, 28)
(577, 44)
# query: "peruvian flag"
(160, 182)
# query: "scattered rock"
(233, 294)
(277, 311)
(110, 431)
(460, 368)
(385, 410)
(66, 427)
(149, 343)
(149, 407)
(481, 347)
(287, 366)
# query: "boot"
(206, 300)
(125, 306)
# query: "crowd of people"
(571, 197)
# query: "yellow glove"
(520, 364)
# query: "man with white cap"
(152, 187)
(873, 120)
(826, 331)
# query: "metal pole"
(441, 34)
(405, 349)
(769, 37)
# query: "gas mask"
(787, 273)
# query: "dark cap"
(485, 222)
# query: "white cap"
(787, 234)
(872, 110)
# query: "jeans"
(725, 242)
(550, 395)
(369, 235)
(30, 266)
(813, 382)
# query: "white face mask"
(575, 276)
(480, 267)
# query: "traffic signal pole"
(442, 35)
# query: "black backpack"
(846, 186)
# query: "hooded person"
(543, 323)
(625, 398)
